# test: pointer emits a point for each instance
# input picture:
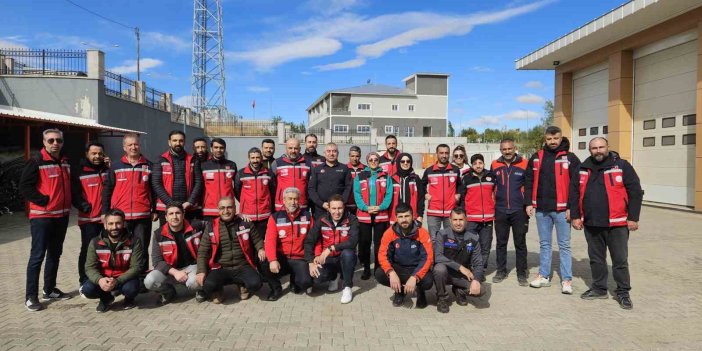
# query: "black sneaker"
(104, 304)
(398, 299)
(461, 297)
(499, 277)
(274, 295)
(592, 295)
(421, 299)
(55, 294)
(200, 296)
(523, 281)
(33, 304)
(443, 305)
(168, 296)
(296, 289)
(128, 304)
(625, 302)
(366, 273)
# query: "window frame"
(338, 131)
(363, 125)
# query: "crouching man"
(456, 249)
(113, 264)
(228, 254)
(330, 248)
(174, 255)
(406, 256)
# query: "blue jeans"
(47, 241)
(130, 290)
(344, 264)
(545, 221)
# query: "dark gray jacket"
(326, 181)
(459, 249)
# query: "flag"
(253, 104)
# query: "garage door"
(664, 123)
(590, 88)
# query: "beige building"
(632, 75)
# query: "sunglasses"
(56, 140)
(405, 161)
(373, 160)
(459, 156)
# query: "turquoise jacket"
(387, 200)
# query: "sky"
(285, 54)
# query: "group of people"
(313, 218)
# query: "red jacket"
(562, 179)
(113, 263)
(290, 173)
(53, 180)
(91, 184)
(128, 188)
(285, 234)
(389, 165)
(442, 184)
(351, 202)
(242, 233)
(167, 176)
(254, 190)
(218, 177)
(478, 197)
(169, 248)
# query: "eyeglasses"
(372, 160)
(405, 161)
(56, 140)
(459, 156)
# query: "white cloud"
(186, 101)
(534, 84)
(329, 7)
(275, 55)
(530, 99)
(166, 40)
(258, 89)
(357, 62)
(483, 121)
(481, 69)
(130, 66)
(522, 115)
(13, 42)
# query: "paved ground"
(665, 259)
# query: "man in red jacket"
(388, 161)
(441, 182)
(46, 184)
(292, 170)
(254, 187)
(218, 175)
(479, 203)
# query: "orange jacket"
(411, 250)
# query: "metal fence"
(241, 127)
(155, 98)
(119, 86)
(45, 62)
(352, 137)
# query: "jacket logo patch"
(618, 179)
(489, 179)
(303, 230)
(229, 175)
(265, 182)
(414, 246)
(245, 236)
(321, 171)
(344, 233)
(145, 178)
(304, 173)
(209, 175)
(397, 245)
(565, 165)
(383, 184)
(469, 247)
(284, 172)
(498, 172)
(281, 233)
(452, 179)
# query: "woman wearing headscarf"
(371, 190)
(407, 188)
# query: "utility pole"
(136, 31)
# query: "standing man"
(458, 262)
(441, 182)
(407, 188)
(313, 158)
(268, 152)
(510, 170)
(479, 203)
(86, 196)
(330, 248)
(291, 170)
(329, 178)
(113, 264)
(607, 203)
(177, 177)
(355, 167)
(406, 256)
(46, 184)
(546, 186)
(174, 254)
(127, 187)
(388, 159)
(254, 186)
(218, 175)
(285, 237)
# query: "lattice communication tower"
(208, 89)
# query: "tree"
(471, 135)
(276, 119)
(451, 131)
(547, 119)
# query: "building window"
(650, 141)
(689, 139)
(582, 132)
(689, 120)
(362, 129)
(594, 130)
(410, 108)
(668, 140)
(581, 145)
(364, 106)
(341, 128)
(395, 107)
(409, 132)
(605, 130)
(389, 129)
(668, 122)
(650, 124)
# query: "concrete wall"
(66, 96)
(432, 85)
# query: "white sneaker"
(567, 287)
(334, 285)
(80, 291)
(346, 295)
(540, 282)
(309, 290)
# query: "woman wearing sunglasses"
(459, 159)
(373, 199)
(407, 188)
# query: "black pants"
(484, 231)
(245, 276)
(299, 272)
(141, 230)
(616, 239)
(87, 232)
(405, 273)
(261, 227)
(519, 222)
(48, 235)
(368, 232)
(343, 264)
(130, 289)
(443, 275)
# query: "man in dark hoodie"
(606, 202)
(407, 188)
(546, 186)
